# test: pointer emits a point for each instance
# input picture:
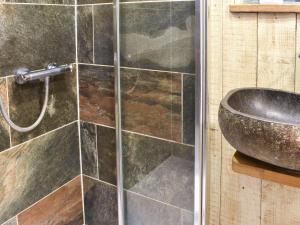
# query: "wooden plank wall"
(248, 49)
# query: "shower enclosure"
(160, 96)
(104, 112)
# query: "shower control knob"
(51, 66)
(20, 75)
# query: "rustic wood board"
(251, 167)
(276, 69)
(215, 71)
(265, 8)
(258, 49)
(240, 194)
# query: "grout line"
(7, 99)
(182, 110)
(77, 86)
(97, 159)
(96, 65)
(163, 139)
(93, 30)
(82, 197)
(36, 4)
(12, 218)
(37, 137)
(9, 76)
(172, 114)
(155, 200)
(181, 218)
(46, 196)
(140, 134)
(137, 2)
(98, 124)
(162, 71)
(95, 4)
(141, 69)
(136, 193)
(98, 180)
(78, 109)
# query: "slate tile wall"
(157, 80)
(39, 170)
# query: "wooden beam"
(265, 8)
(245, 165)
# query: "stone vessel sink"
(263, 124)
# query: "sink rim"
(226, 105)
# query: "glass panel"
(157, 86)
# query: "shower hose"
(37, 122)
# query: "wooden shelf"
(254, 168)
(265, 8)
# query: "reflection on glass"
(157, 73)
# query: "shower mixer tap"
(24, 75)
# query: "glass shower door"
(157, 79)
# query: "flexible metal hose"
(37, 122)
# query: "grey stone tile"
(4, 129)
(172, 182)
(155, 168)
(141, 155)
(158, 36)
(85, 34)
(106, 143)
(89, 149)
(12, 221)
(188, 109)
(35, 35)
(26, 102)
(34, 169)
(96, 88)
(140, 210)
(63, 207)
(100, 203)
(187, 217)
(151, 100)
(103, 17)
(151, 103)
(159, 169)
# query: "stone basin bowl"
(263, 124)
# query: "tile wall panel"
(32, 170)
(63, 207)
(35, 35)
(26, 101)
(100, 202)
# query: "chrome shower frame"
(118, 112)
(201, 20)
(201, 108)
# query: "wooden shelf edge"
(248, 166)
(265, 8)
